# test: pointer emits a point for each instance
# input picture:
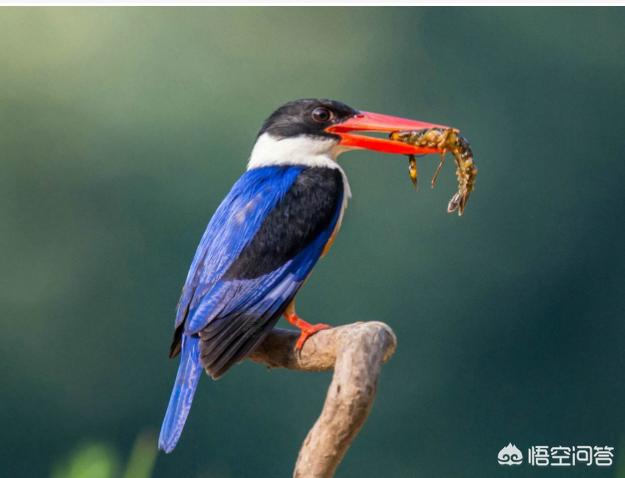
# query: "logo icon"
(510, 455)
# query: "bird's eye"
(322, 115)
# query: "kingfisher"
(263, 240)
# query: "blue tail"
(189, 372)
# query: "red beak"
(365, 121)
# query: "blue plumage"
(233, 225)
(189, 372)
(265, 238)
(221, 317)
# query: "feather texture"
(232, 226)
(257, 251)
(189, 372)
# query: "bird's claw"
(306, 333)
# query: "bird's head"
(314, 132)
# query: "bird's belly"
(335, 231)
(346, 196)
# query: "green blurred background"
(122, 128)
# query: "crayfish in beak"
(445, 140)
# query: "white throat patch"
(301, 150)
(298, 151)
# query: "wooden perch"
(356, 352)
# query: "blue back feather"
(206, 297)
(233, 225)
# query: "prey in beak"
(378, 123)
(411, 137)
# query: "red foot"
(307, 330)
(306, 333)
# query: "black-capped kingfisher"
(261, 244)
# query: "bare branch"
(356, 352)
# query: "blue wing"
(207, 295)
(233, 225)
(243, 311)
(238, 309)
(222, 316)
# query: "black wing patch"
(226, 341)
(304, 211)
